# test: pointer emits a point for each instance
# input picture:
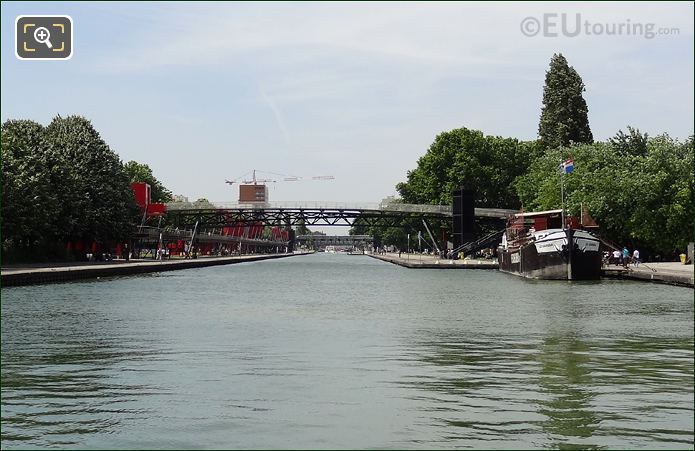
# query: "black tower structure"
(463, 210)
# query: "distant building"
(253, 193)
(180, 198)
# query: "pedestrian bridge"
(339, 240)
(216, 214)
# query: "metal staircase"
(473, 246)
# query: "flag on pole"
(567, 166)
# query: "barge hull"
(526, 261)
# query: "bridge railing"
(441, 210)
(314, 205)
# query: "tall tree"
(96, 200)
(139, 172)
(564, 117)
(31, 173)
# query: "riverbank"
(432, 262)
(672, 273)
(52, 273)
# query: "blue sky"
(207, 91)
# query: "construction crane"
(287, 178)
(255, 190)
(254, 180)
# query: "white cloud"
(327, 55)
(279, 120)
(431, 33)
(357, 90)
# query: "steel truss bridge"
(334, 240)
(214, 215)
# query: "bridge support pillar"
(292, 237)
(463, 210)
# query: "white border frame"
(72, 40)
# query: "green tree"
(637, 199)
(631, 143)
(95, 197)
(31, 173)
(463, 157)
(301, 228)
(203, 203)
(661, 195)
(385, 233)
(564, 117)
(139, 172)
(385, 236)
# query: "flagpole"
(562, 191)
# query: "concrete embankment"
(671, 273)
(30, 275)
(428, 261)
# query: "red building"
(143, 196)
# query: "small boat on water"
(537, 246)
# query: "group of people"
(622, 258)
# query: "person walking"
(626, 256)
(616, 257)
(635, 258)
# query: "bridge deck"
(366, 208)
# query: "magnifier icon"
(42, 36)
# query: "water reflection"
(347, 354)
(561, 391)
(565, 378)
(480, 389)
(70, 369)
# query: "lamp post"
(419, 243)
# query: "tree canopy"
(31, 170)
(139, 172)
(639, 189)
(640, 196)
(97, 202)
(61, 182)
(564, 116)
(464, 157)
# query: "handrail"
(473, 246)
(444, 210)
(314, 205)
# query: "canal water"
(340, 351)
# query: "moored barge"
(535, 245)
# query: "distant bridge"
(212, 214)
(334, 240)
